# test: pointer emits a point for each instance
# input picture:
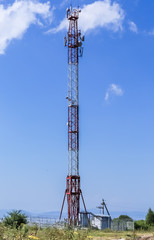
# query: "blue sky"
(116, 104)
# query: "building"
(100, 222)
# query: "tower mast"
(73, 41)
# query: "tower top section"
(72, 14)
(73, 40)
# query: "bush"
(15, 219)
(141, 225)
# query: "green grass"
(29, 233)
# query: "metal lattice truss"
(73, 191)
(73, 108)
(73, 120)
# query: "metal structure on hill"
(73, 41)
(103, 207)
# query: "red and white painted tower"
(73, 41)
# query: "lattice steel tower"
(73, 41)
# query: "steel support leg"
(62, 206)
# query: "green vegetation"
(15, 219)
(141, 225)
(147, 224)
(26, 232)
(123, 218)
(29, 233)
(15, 227)
(150, 217)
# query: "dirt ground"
(138, 236)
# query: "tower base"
(73, 193)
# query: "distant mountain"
(136, 215)
(53, 214)
(4, 212)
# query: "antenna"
(103, 207)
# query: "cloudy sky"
(116, 104)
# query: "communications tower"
(73, 41)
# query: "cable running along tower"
(73, 41)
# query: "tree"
(15, 219)
(150, 217)
(125, 218)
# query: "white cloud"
(113, 89)
(151, 33)
(104, 14)
(15, 19)
(133, 27)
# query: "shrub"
(15, 219)
(141, 225)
